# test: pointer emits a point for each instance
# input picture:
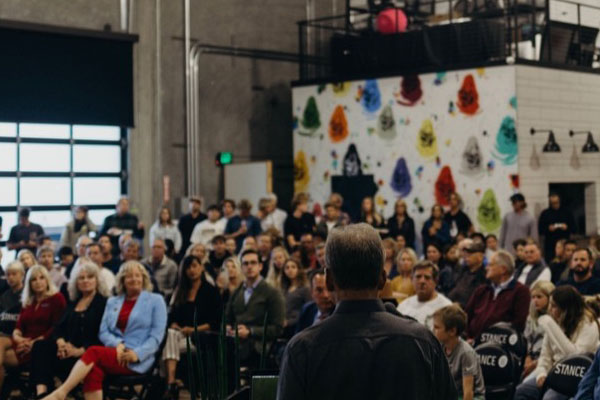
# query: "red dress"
(105, 358)
(39, 319)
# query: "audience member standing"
(582, 278)
(206, 230)
(403, 359)
(242, 225)
(299, 221)
(456, 218)
(188, 222)
(518, 224)
(122, 222)
(427, 300)
(401, 224)
(25, 235)
(165, 229)
(369, 215)
(275, 217)
(504, 299)
(435, 229)
(332, 219)
(80, 225)
(555, 223)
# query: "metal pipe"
(188, 125)
(124, 15)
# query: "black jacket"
(81, 328)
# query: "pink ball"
(391, 20)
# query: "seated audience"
(320, 253)
(503, 299)
(369, 215)
(66, 257)
(231, 246)
(332, 219)
(247, 307)
(205, 231)
(435, 229)
(433, 253)
(217, 255)
(338, 200)
(76, 331)
(491, 245)
(242, 225)
(264, 245)
(196, 300)
(93, 253)
(471, 276)
(108, 259)
(582, 279)
(230, 278)
(24, 235)
(534, 332)
(130, 250)
(122, 222)
(42, 308)
(163, 269)
(589, 386)
(535, 268)
(10, 300)
(519, 252)
(249, 243)
(456, 218)
(274, 217)
(448, 325)
(427, 300)
(126, 351)
(450, 268)
(402, 284)
(389, 265)
(570, 328)
(560, 265)
(164, 228)
(27, 258)
(299, 221)
(322, 303)
(279, 256)
(45, 257)
(308, 256)
(296, 292)
(401, 224)
(80, 225)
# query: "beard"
(581, 272)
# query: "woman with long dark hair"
(164, 228)
(571, 328)
(435, 229)
(194, 296)
(401, 224)
(296, 291)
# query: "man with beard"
(427, 300)
(582, 278)
(560, 268)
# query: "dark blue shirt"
(235, 223)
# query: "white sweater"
(557, 345)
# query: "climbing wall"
(420, 136)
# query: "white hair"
(86, 265)
(27, 296)
(15, 265)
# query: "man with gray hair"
(328, 360)
(275, 216)
(503, 299)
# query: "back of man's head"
(355, 256)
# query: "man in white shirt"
(206, 230)
(535, 268)
(427, 300)
(275, 216)
(94, 253)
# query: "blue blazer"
(307, 316)
(589, 386)
(145, 328)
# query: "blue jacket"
(145, 328)
(589, 387)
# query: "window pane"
(8, 129)
(96, 158)
(46, 131)
(8, 192)
(96, 191)
(8, 157)
(45, 191)
(7, 256)
(51, 219)
(97, 216)
(9, 219)
(96, 132)
(45, 157)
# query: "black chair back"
(505, 335)
(497, 365)
(565, 375)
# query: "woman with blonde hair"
(534, 332)
(402, 285)
(77, 330)
(27, 258)
(42, 308)
(132, 328)
(389, 264)
(279, 255)
(230, 278)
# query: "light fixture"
(551, 146)
(590, 146)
